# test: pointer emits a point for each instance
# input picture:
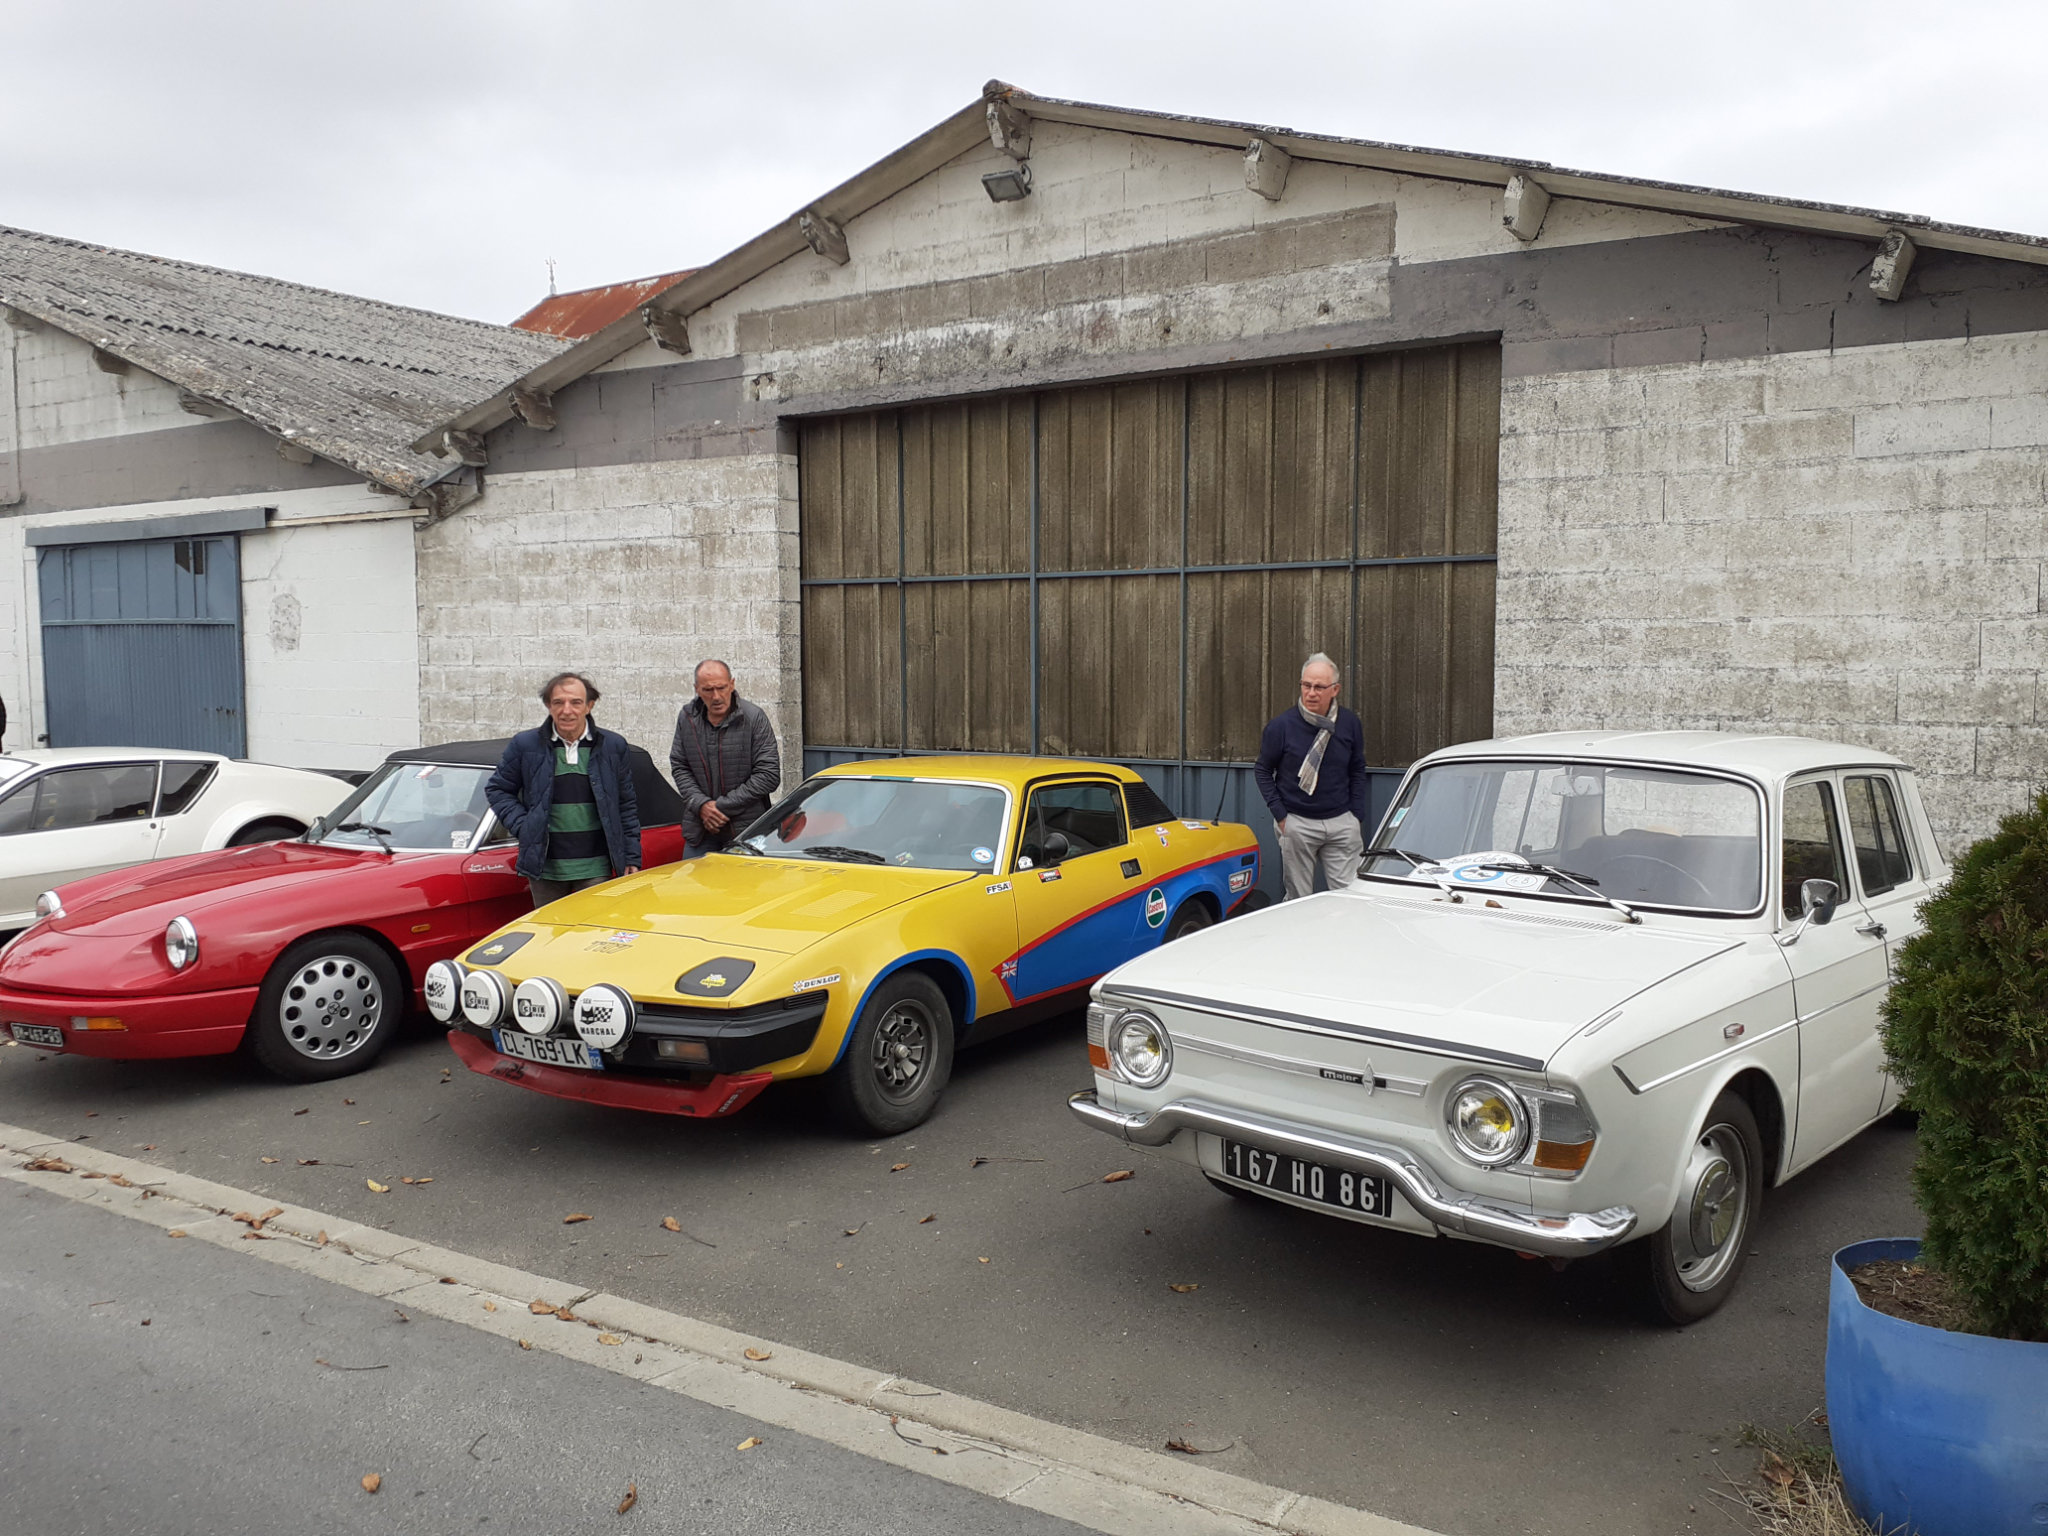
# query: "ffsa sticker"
(999, 887)
(1155, 907)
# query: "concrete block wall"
(61, 396)
(632, 573)
(1850, 545)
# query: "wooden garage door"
(1135, 571)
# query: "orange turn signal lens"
(1098, 1057)
(79, 1021)
(1562, 1156)
(695, 1051)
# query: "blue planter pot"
(1943, 1433)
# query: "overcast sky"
(438, 152)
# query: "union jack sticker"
(1007, 971)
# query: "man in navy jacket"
(1311, 769)
(565, 790)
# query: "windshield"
(410, 805)
(1648, 836)
(12, 768)
(924, 824)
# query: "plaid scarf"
(1312, 765)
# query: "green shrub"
(1966, 1031)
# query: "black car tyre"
(1691, 1267)
(1192, 917)
(897, 1059)
(328, 1007)
(264, 832)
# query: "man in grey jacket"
(724, 761)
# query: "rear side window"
(1813, 843)
(1147, 809)
(1089, 816)
(183, 784)
(1882, 862)
(17, 809)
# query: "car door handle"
(1873, 929)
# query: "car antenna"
(1221, 795)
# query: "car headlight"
(539, 1004)
(604, 1016)
(1488, 1121)
(47, 905)
(1141, 1049)
(483, 998)
(181, 943)
(443, 989)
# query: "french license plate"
(548, 1050)
(1362, 1192)
(38, 1034)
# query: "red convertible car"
(309, 952)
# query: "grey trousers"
(1337, 844)
(545, 891)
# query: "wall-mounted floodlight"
(1008, 186)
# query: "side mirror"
(1057, 847)
(1819, 898)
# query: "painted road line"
(1094, 1482)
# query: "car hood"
(1504, 984)
(144, 898)
(780, 906)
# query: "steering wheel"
(1707, 898)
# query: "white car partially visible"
(69, 812)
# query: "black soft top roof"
(658, 799)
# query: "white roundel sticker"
(1469, 869)
(604, 1016)
(983, 855)
(1155, 907)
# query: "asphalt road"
(1438, 1382)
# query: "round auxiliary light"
(604, 1016)
(1488, 1121)
(181, 943)
(443, 990)
(47, 905)
(539, 1004)
(1141, 1049)
(483, 998)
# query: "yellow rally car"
(883, 913)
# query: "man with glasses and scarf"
(1311, 769)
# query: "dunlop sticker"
(815, 981)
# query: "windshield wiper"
(382, 834)
(850, 855)
(1422, 866)
(1585, 883)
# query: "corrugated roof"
(968, 127)
(350, 379)
(582, 311)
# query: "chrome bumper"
(1570, 1236)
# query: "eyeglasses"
(1318, 687)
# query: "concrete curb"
(1092, 1481)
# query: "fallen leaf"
(1777, 1470)
(150, 1148)
(749, 1443)
(92, 1175)
(255, 1237)
(309, 1162)
(376, 1188)
(609, 1338)
(124, 1182)
(302, 1111)
(565, 1314)
(984, 1261)
(362, 1122)
(632, 1497)
(854, 1231)
(1118, 1177)
(401, 1315)
(320, 1240)
(348, 1101)
(145, 1322)
(1182, 1289)
(175, 1232)
(539, 1308)
(448, 1280)
(270, 1215)
(839, 1266)
(372, 1482)
(92, 1114)
(526, 1343)
(49, 1165)
(670, 1224)
(759, 1354)
(925, 1220)
(573, 1217)
(245, 1218)
(269, 1159)
(898, 1167)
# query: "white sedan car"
(69, 812)
(1589, 988)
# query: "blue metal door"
(142, 644)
